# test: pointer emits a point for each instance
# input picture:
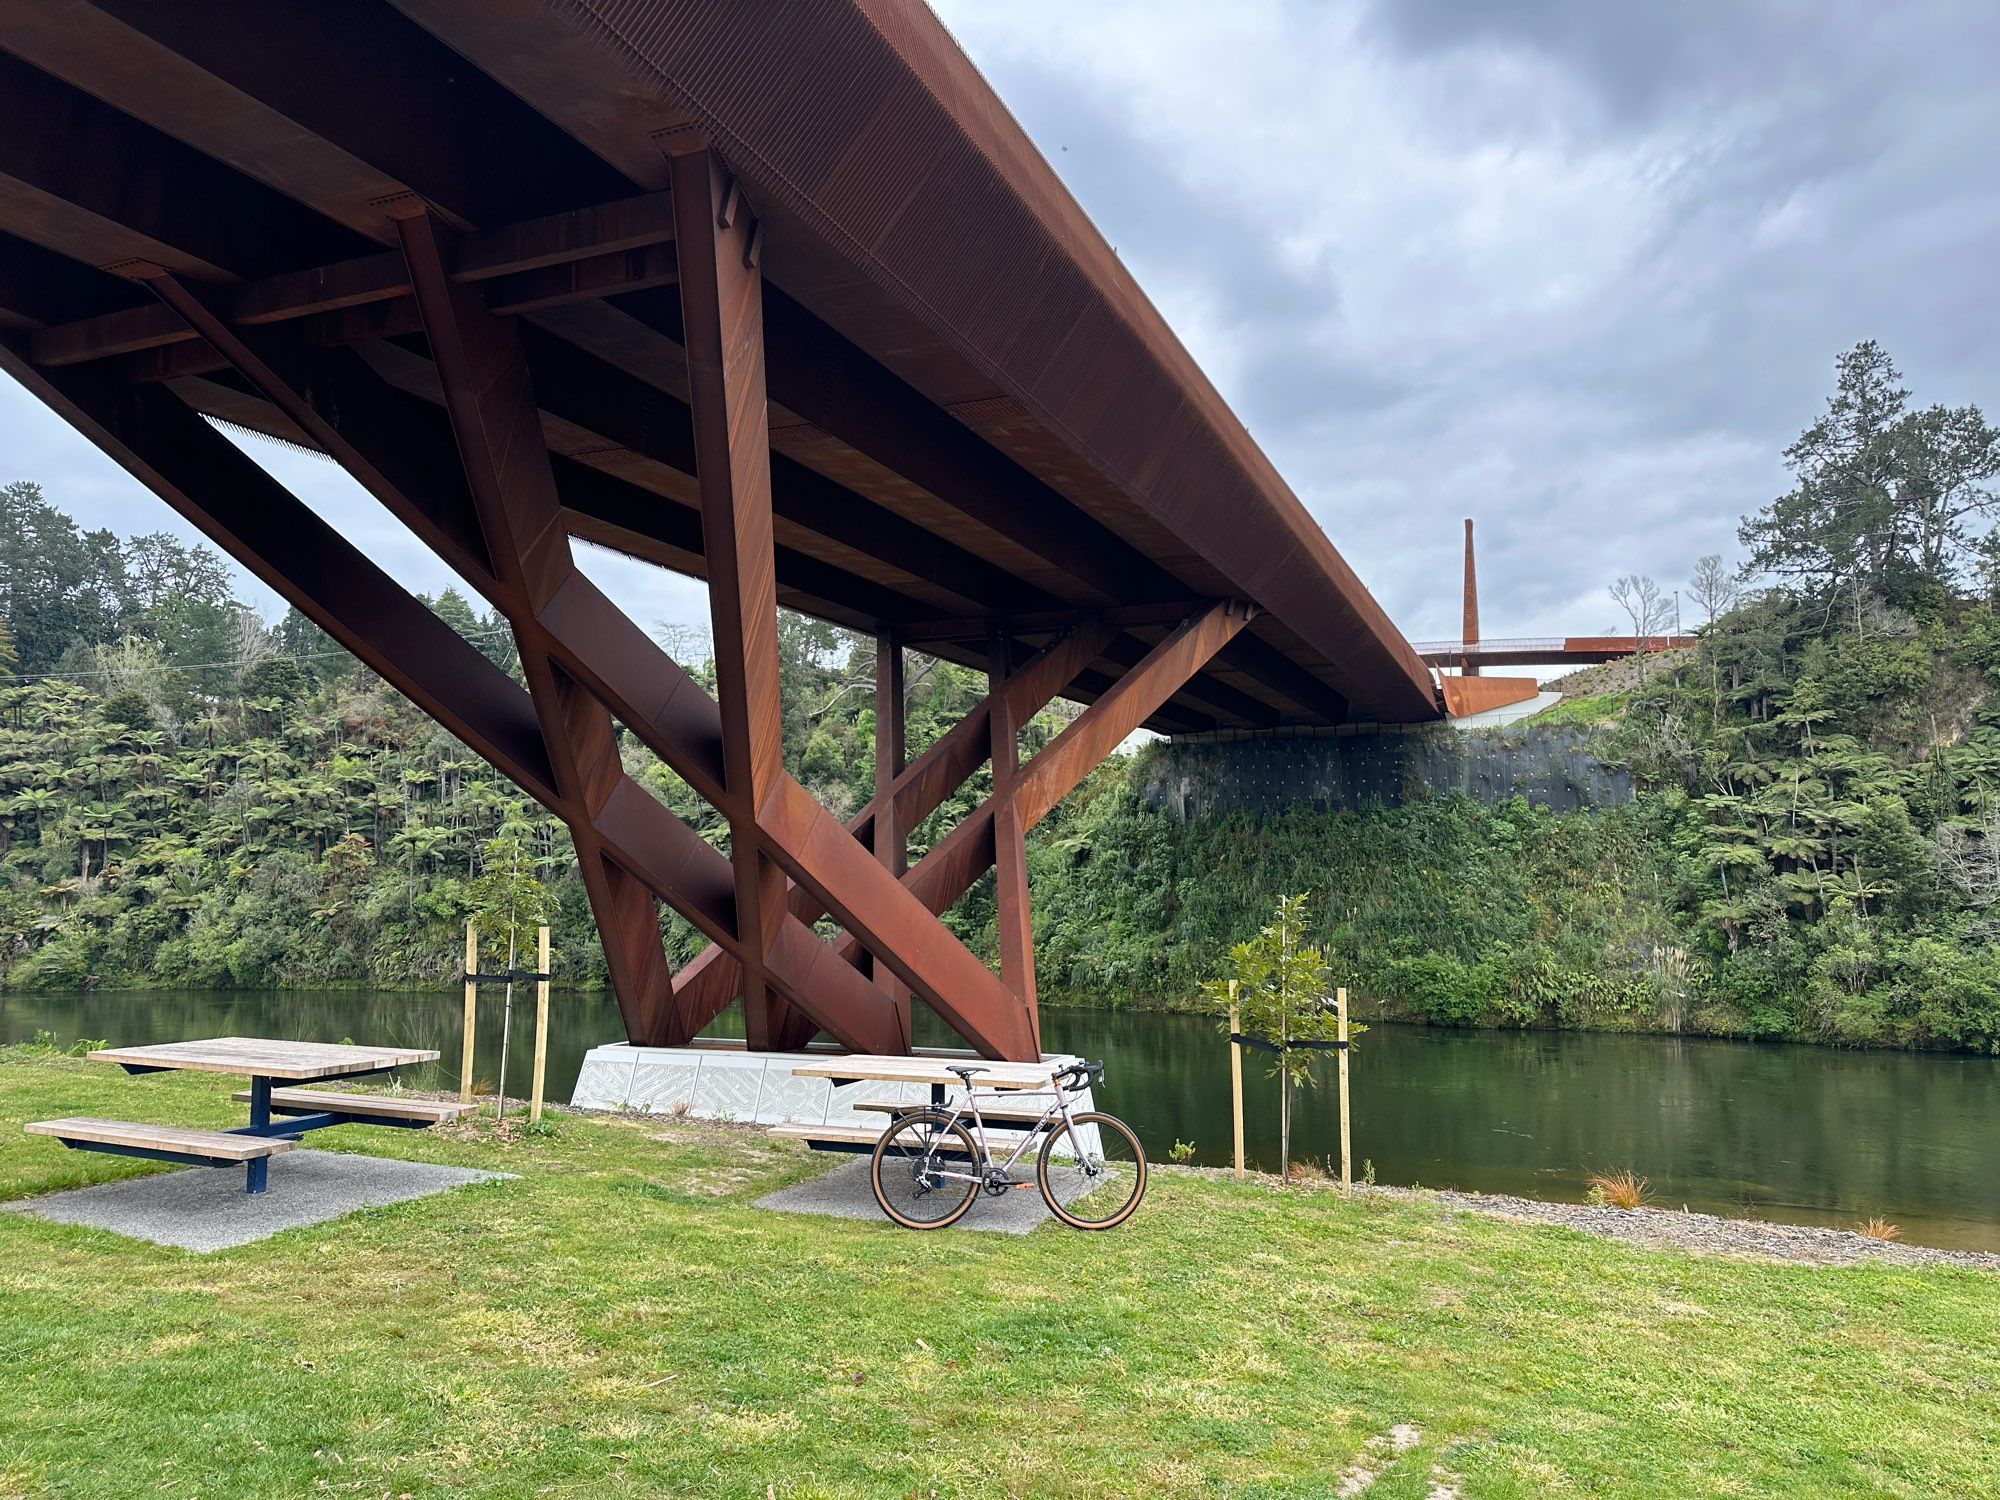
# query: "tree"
(1831, 528)
(508, 902)
(274, 678)
(129, 707)
(318, 654)
(1885, 497)
(158, 567)
(1714, 587)
(1948, 460)
(490, 633)
(57, 584)
(250, 641)
(1280, 995)
(1640, 598)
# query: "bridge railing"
(1519, 645)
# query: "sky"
(1578, 271)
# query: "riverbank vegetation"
(190, 797)
(503, 1339)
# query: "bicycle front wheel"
(924, 1171)
(1095, 1178)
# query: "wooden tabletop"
(259, 1057)
(932, 1070)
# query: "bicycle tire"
(897, 1170)
(1064, 1186)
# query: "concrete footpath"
(205, 1208)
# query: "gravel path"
(1668, 1229)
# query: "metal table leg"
(257, 1171)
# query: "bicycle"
(927, 1168)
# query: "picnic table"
(934, 1071)
(278, 1116)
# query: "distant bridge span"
(1530, 651)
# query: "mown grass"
(620, 1320)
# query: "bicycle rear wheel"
(1093, 1189)
(907, 1171)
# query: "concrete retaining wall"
(1199, 777)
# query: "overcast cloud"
(1577, 270)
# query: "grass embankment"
(621, 1320)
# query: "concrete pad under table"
(844, 1193)
(205, 1208)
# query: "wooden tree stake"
(541, 1026)
(471, 1012)
(1346, 1149)
(1236, 1076)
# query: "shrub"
(1624, 1189)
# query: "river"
(1792, 1133)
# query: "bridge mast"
(1469, 634)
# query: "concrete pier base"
(725, 1081)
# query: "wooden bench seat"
(838, 1137)
(829, 1135)
(991, 1114)
(374, 1106)
(202, 1145)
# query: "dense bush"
(1444, 910)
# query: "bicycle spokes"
(923, 1172)
(1094, 1175)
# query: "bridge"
(1535, 651)
(796, 309)
(1470, 691)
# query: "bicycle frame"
(1058, 1107)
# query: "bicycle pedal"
(1018, 1186)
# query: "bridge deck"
(975, 411)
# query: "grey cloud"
(1286, 313)
(1636, 63)
(1774, 181)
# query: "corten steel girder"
(490, 503)
(707, 984)
(957, 860)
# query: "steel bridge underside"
(535, 270)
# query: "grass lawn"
(620, 1320)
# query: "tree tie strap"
(502, 976)
(1265, 1044)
